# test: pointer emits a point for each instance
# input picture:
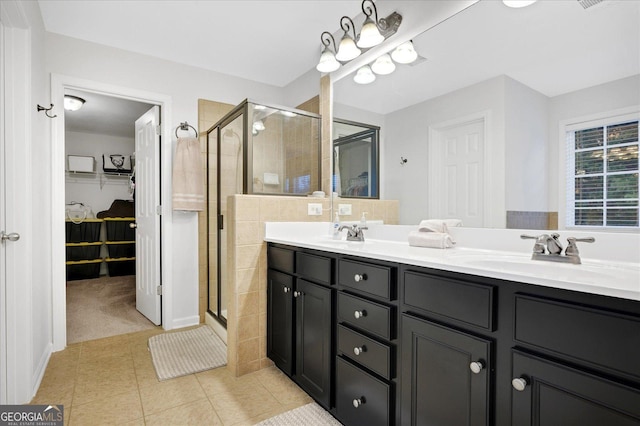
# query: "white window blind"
(602, 174)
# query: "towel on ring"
(188, 177)
(430, 239)
(438, 225)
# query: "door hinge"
(159, 210)
(159, 290)
(158, 130)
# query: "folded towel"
(438, 225)
(188, 176)
(430, 239)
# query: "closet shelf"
(88, 177)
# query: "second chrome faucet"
(548, 247)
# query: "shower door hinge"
(158, 130)
(159, 210)
(159, 290)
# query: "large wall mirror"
(482, 117)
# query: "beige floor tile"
(145, 372)
(110, 346)
(96, 381)
(171, 393)
(194, 413)
(243, 402)
(54, 395)
(282, 387)
(115, 409)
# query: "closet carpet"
(103, 307)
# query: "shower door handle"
(220, 221)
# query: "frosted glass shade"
(328, 62)
(364, 75)
(405, 53)
(73, 103)
(518, 3)
(369, 35)
(383, 65)
(347, 49)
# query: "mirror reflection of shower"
(233, 140)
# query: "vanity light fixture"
(383, 65)
(374, 31)
(347, 49)
(364, 75)
(73, 103)
(518, 3)
(405, 53)
(288, 113)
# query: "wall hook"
(403, 161)
(46, 110)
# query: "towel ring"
(185, 126)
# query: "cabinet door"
(313, 340)
(280, 320)
(551, 394)
(438, 384)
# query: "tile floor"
(112, 381)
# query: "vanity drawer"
(280, 259)
(365, 277)
(605, 339)
(361, 399)
(314, 267)
(365, 351)
(366, 315)
(458, 300)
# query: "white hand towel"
(188, 176)
(430, 239)
(438, 225)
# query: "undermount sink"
(590, 272)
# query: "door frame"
(59, 83)
(492, 195)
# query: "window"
(602, 174)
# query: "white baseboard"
(184, 322)
(38, 374)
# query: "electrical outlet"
(344, 209)
(314, 209)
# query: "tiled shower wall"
(246, 261)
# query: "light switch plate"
(344, 209)
(314, 209)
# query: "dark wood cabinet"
(313, 340)
(280, 320)
(548, 393)
(446, 375)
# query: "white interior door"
(147, 196)
(461, 173)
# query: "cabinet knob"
(133, 225)
(359, 314)
(297, 293)
(359, 277)
(286, 289)
(358, 401)
(519, 383)
(359, 350)
(476, 367)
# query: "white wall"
(185, 85)
(96, 191)
(407, 133)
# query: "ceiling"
(553, 46)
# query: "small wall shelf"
(104, 177)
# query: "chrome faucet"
(548, 247)
(354, 232)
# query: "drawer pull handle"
(359, 277)
(358, 350)
(297, 293)
(286, 289)
(359, 314)
(519, 383)
(476, 367)
(358, 402)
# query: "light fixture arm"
(327, 38)
(347, 25)
(366, 9)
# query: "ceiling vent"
(586, 4)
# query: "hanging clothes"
(188, 176)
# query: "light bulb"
(383, 65)
(364, 75)
(405, 53)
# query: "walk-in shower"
(254, 149)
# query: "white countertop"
(504, 255)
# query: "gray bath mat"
(310, 414)
(186, 352)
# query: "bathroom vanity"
(381, 333)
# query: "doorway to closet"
(108, 261)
